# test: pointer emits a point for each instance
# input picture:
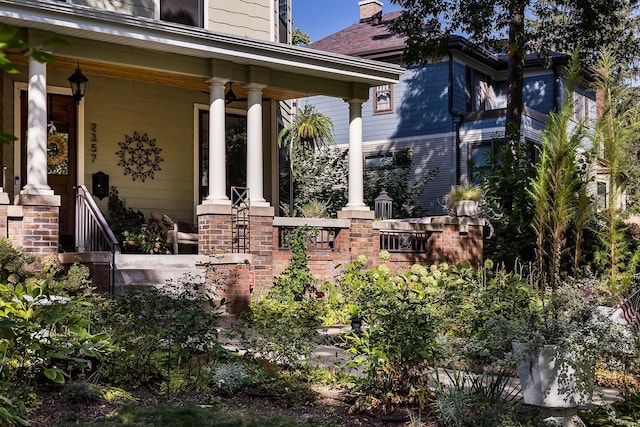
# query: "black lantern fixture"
(78, 83)
(230, 96)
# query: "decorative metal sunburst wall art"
(139, 156)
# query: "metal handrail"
(93, 233)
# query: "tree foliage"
(520, 27)
(614, 138)
(298, 38)
(309, 129)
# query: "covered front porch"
(153, 124)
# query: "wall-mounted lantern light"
(78, 83)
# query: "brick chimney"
(368, 9)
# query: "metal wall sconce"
(78, 83)
(100, 187)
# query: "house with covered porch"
(164, 80)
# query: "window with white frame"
(479, 93)
(187, 12)
(580, 107)
(383, 99)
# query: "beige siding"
(247, 18)
(144, 8)
(163, 113)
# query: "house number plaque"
(94, 142)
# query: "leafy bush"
(122, 218)
(162, 330)
(230, 377)
(282, 326)
(400, 337)
(82, 392)
(46, 332)
(487, 398)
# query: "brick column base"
(214, 229)
(261, 237)
(33, 223)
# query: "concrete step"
(156, 270)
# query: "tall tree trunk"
(515, 73)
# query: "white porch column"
(356, 167)
(37, 131)
(255, 169)
(217, 144)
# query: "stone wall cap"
(213, 209)
(38, 200)
(347, 213)
(281, 221)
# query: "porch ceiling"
(291, 71)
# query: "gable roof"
(365, 39)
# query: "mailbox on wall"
(100, 187)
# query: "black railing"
(317, 238)
(240, 220)
(403, 241)
(93, 233)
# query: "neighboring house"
(449, 113)
(158, 101)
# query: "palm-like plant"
(557, 183)
(309, 130)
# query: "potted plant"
(557, 344)
(465, 199)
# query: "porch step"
(155, 270)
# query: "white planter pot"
(547, 380)
(467, 208)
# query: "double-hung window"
(383, 99)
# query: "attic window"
(187, 12)
(383, 99)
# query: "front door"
(61, 158)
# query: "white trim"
(272, 20)
(474, 135)
(80, 141)
(156, 10)
(406, 139)
(196, 155)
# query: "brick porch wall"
(451, 240)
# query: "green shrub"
(399, 339)
(46, 331)
(284, 332)
(282, 326)
(162, 330)
(82, 392)
(230, 377)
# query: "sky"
(320, 18)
